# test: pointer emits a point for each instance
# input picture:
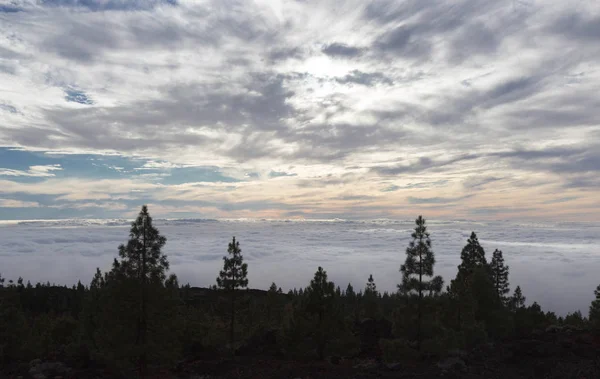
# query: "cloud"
(10, 203)
(387, 97)
(341, 50)
(436, 200)
(34, 171)
(110, 5)
(70, 250)
(278, 174)
(367, 79)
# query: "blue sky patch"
(76, 96)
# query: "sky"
(467, 109)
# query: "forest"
(138, 321)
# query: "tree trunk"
(232, 326)
(420, 293)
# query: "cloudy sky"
(467, 109)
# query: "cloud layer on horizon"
(555, 264)
(282, 109)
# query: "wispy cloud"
(379, 99)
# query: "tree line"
(136, 316)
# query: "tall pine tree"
(500, 275)
(133, 297)
(233, 277)
(419, 264)
(320, 302)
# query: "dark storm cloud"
(341, 50)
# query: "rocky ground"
(553, 354)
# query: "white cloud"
(34, 171)
(10, 203)
(357, 93)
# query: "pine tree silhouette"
(419, 264)
(233, 276)
(500, 275)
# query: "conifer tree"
(500, 275)
(233, 277)
(320, 301)
(419, 264)
(472, 254)
(517, 299)
(133, 300)
(371, 287)
(143, 259)
(350, 291)
(594, 315)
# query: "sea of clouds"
(557, 265)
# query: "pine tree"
(472, 254)
(500, 275)
(594, 315)
(320, 301)
(233, 277)
(517, 299)
(350, 291)
(137, 313)
(143, 260)
(419, 263)
(371, 288)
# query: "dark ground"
(562, 354)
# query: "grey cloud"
(499, 210)
(405, 42)
(354, 197)
(278, 174)
(561, 200)
(364, 78)
(110, 5)
(424, 163)
(479, 181)
(436, 200)
(341, 50)
(562, 160)
(391, 188)
(575, 25)
(284, 53)
(10, 8)
(474, 39)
